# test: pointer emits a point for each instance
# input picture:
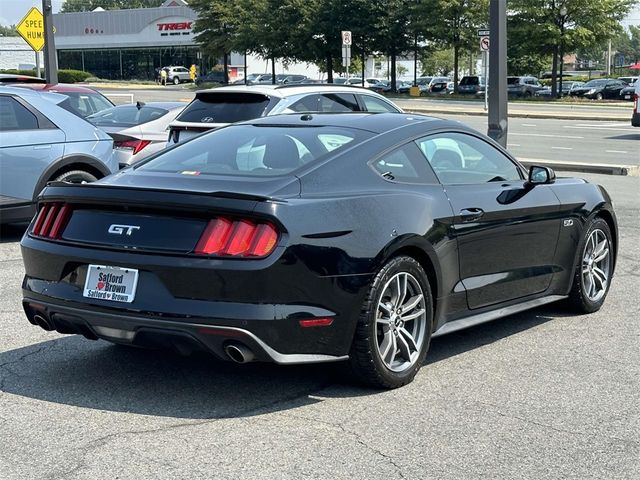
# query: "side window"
(373, 104)
(338, 102)
(14, 116)
(307, 104)
(405, 164)
(458, 158)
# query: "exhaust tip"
(42, 322)
(239, 353)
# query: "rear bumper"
(185, 336)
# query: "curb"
(561, 116)
(601, 168)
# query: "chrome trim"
(455, 325)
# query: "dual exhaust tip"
(239, 353)
(43, 322)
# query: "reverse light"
(135, 145)
(51, 220)
(237, 238)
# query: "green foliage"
(13, 71)
(437, 61)
(9, 31)
(627, 43)
(88, 5)
(72, 76)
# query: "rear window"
(470, 81)
(126, 116)
(513, 80)
(254, 150)
(224, 108)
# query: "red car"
(81, 101)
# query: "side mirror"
(539, 175)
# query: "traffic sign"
(484, 33)
(346, 37)
(31, 28)
(484, 44)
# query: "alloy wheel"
(596, 265)
(401, 322)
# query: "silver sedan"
(138, 130)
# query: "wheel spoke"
(601, 277)
(386, 345)
(412, 303)
(404, 333)
(412, 316)
(601, 256)
(385, 308)
(405, 350)
(391, 352)
(401, 288)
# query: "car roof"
(283, 91)
(12, 77)
(372, 122)
(165, 105)
(57, 87)
(28, 93)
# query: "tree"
(627, 43)
(454, 24)
(549, 25)
(437, 61)
(89, 5)
(8, 31)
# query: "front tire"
(594, 269)
(599, 96)
(176, 81)
(394, 329)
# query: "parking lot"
(542, 394)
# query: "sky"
(12, 11)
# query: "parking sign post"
(50, 57)
(497, 84)
(346, 50)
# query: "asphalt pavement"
(544, 394)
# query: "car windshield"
(423, 81)
(84, 104)
(596, 83)
(126, 116)
(251, 150)
(224, 107)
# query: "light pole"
(563, 19)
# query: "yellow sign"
(31, 28)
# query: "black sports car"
(316, 238)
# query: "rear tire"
(594, 269)
(394, 328)
(76, 176)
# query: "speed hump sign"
(484, 44)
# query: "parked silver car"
(137, 130)
(221, 106)
(41, 142)
(177, 75)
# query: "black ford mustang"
(316, 238)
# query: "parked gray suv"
(523, 86)
(40, 142)
(177, 75)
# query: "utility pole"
(50, 57)
(498, 115)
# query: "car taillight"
(51, 220)
(135, 145)
(237, 238)
(635, 103)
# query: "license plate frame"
(117, 284)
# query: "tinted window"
(373, 104)
(405, 164)
(254, 150)
(328, 102)
(84, 104)
(513, 80)
(14, 116)
(126, 116)
(457, 158)
(470, 81)
(224, 108)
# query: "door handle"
(471, 214)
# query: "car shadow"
(12, 232)
(627, 136)
(73, 371)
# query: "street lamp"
(563, 19)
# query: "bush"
(13, 71)
(72, 76)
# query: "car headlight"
(592, 91)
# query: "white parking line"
(513, 144)
(589, 127)
(615, 151)
(561, 148)
(529, 125)
(544, 135)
